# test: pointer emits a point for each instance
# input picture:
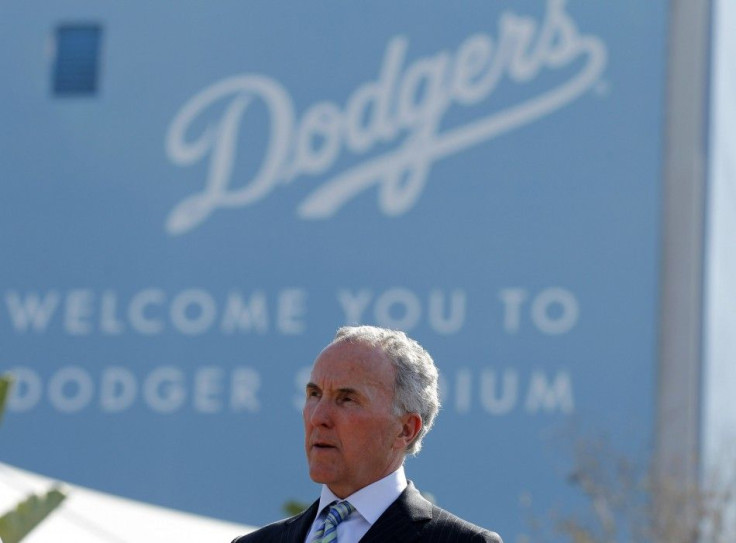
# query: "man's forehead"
(349, 365)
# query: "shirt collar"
(372, 500)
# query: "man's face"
(352, 436)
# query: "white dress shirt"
(370, 502)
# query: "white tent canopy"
(88, 516)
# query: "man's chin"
(319, 474)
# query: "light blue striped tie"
(338, 512)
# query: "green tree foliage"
(294, 507)
(17, 523)
(24, 517)
(5, 383)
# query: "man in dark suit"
(371, 399)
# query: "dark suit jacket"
(409, 518)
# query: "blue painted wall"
(180, 241)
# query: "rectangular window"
(75, 70)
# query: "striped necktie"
(338, 512)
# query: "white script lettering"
(410, 102)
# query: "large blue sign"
(193, 200)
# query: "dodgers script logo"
(403, 108)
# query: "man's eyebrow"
(342, 390)
(347, 390)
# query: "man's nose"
(321, 413)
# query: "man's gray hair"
(416, 387)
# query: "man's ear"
(411, 425)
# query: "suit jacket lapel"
(297, 527)
(403, 519)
